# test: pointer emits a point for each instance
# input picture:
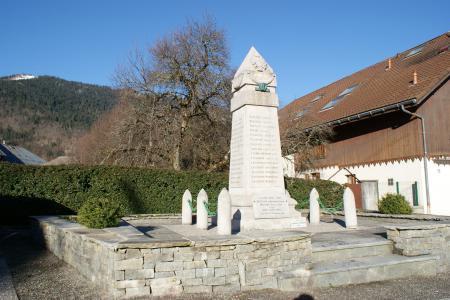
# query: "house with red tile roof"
(391, 124)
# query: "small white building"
(377, 115)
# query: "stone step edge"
(350, 246)
(368, 264)
(311, 271)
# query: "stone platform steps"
(364, 269)
(350, 251)
(359, 270)
(371, 269)
(343, 259)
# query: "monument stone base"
(243, 220)
(256, 183)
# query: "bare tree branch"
(175, 104)
(306, 145)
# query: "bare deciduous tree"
(307, 144)
(174, 109)
(187, 73)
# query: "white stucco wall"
(439, 177)
(405, 173)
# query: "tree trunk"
(176, 157)
(178, 144)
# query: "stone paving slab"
(172, 230)
(154, 229)
(152, 243)
(155, 232)
(417, 227)
(417, 217)
(204, 241)
(124, 230)
(7, 291)
(326, 240)
(371, 231)
(367, 262)
(108, 240)
(336, 224)
(161, 233)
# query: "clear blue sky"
(308, 43)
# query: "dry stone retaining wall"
(72, 244)
(221, 268)
(431, 239)
(179, 267)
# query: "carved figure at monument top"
(254, 70)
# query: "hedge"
(34, 190)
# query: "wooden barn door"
(356, 189)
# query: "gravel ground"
(38, 274)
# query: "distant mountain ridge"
(45, 113)
(19, 77)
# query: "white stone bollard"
(224, 213)
(350, 209)
(186, 210)
(314, 208)
(202, 213)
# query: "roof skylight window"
(414, 51)
(349, 90)
(317, 98)
(341, 96)
(333, 102)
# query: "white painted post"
(350, 209)
(202, 213)
(224, 213)
(186, 210)
(314, 208)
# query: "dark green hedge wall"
(33, 190)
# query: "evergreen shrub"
(394, 204)
(99, 213)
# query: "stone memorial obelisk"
(256, 183)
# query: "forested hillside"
(44, 114)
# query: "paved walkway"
(7, 291)
(38, 274)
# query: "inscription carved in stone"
(270, 206)
(237, 148)
(264, 163)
